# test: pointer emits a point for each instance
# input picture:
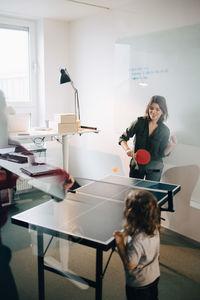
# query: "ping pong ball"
(115, 169)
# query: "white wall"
(53, 48)
(92, 60)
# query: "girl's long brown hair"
(141, 213)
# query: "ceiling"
(67, 10)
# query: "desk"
(88, 217)
(34, 134)
(47, 184)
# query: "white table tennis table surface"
(92, 213)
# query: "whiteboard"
(165, 63)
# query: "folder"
(39, 170)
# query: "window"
(17, 61)
(14, 61)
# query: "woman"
(139, 245)
(152, 135)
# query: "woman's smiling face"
(155, 112)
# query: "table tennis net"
(116, 187)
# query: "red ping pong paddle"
(142, 157)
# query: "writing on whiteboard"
(138, 73)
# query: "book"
(39, 170)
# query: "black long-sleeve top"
(156, 143)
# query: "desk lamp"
(66, 78)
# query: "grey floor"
(179, 263)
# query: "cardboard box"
(65, 118)
(67, 127)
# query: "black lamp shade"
(64, 77)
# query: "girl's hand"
(119, 238)
(173, 141)
(68, 183)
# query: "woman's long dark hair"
(141, 213)
(161, 101)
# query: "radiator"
(22, 185)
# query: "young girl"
(140, 253)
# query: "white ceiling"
(58, 9)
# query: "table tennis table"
(89, 215)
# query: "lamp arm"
(77, 106)
(72, 84)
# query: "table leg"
(99, 267)
(170, 201)
(65, 152)
(41, 289)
